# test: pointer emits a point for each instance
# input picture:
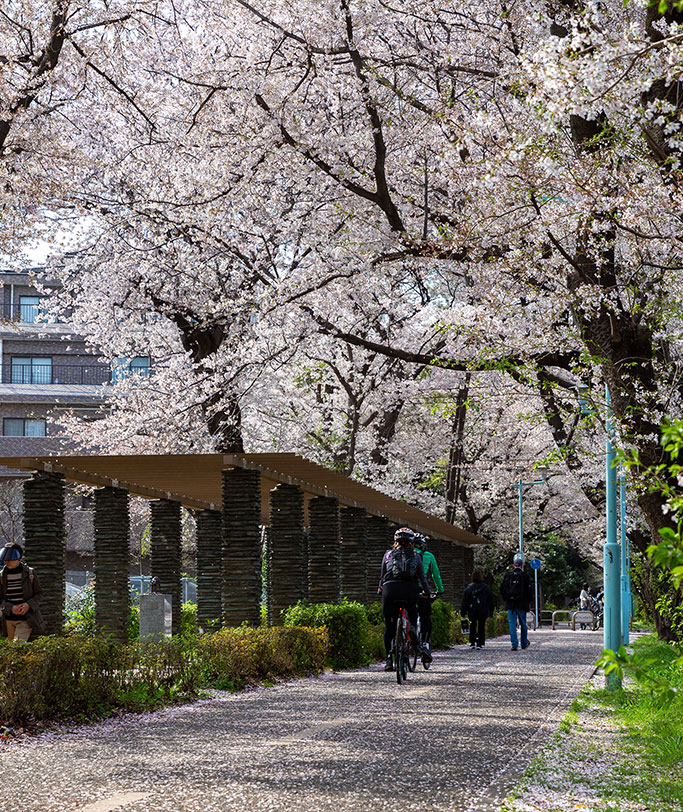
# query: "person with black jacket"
(477, 604)
(20, 595)
(516, 592)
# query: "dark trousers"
(424, 609)
(394, 595)
(478, 630)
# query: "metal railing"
(25, 313)
(90, 375)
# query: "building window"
(29, 308)
(140, 366)
(23, 427)
(123, 368)
(31, 369)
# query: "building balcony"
(49, 374)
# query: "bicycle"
(405, 652)
(422, 638)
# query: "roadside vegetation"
(615, 751)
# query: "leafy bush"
(81, 677)
(442, 624)
(374, 614)
(347, 627)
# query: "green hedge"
(347, 627)
(85, 678)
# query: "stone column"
(445, 562)
(165, 558)
(241, 583)
(111, 527)
(376, 533)
(354, 561)
(45, 543)
(209, 568)
(324, 550)
(285, 550)
(468, 563)
(460, 578)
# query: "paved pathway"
(455, 738)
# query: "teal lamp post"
(543, 471)
(611, 550)
(625, 563)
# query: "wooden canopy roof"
(195, 481)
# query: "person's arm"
(421, 574)
(504, 586)
(434, 571)
(34, 600)
(489, 600)
(465, 601)
(382, 572)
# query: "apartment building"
(46, 369)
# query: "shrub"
(442, 624)
(347, 628)
(88, 677)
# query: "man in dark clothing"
(20, 595)
(477, 604)
(400, 580)
(516, 592)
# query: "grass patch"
(614, 752)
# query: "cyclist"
(424, 603)
(399, 585)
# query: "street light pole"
(520, 485)
(625, 564)
(611, 551)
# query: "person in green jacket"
(424, 603)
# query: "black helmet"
(11, 552)
(404, 535)
(421, 541)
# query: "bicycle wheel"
(412, 659)
(400, 650)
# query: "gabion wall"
(165, 555)
(324, 550)
(45, 543)
(285, 551)
(354, 554)
(111, 526)
(209, 568)
(241, 594)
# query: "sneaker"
(472, 645)
(526, 645)
(426, 654)
(513, 648)
(479, 648)
(389, 666)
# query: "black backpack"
(514, 588)
(403, 564)
(478, 605)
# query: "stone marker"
(156, 615)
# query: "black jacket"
(477, 601)
(32, 596)
(522, 603)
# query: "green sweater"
(431, 569)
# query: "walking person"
(20, 595)
(516, 592)
(477, 604)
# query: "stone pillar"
(468, 563)
(111, 527)
(209, 569)
(165, 558)
(285, 550)
(45, 543)
(376, 532)
(324, 550)
(354, 560)
(241, 583)
(445, 562)
(460, 579)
